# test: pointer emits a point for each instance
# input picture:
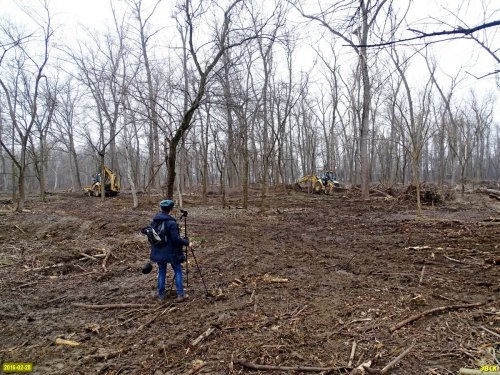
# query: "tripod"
(184, 215)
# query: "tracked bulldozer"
(110, 181)
(325, 183)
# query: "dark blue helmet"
(167, 204)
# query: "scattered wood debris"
(60, 341)
(434, 310)
(200, 338)
(273, 279)
(255, 366)
(197, 366)
(110, 305)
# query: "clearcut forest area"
(314, 284)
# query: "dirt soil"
(297, 285)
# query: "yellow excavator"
(111, 183)
(325, 183)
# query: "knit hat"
(167, 204)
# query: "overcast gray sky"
(452, 56)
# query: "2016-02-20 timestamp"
(9, 367)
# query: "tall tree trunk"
(203, 75)
(41, 171)
(127, 138)
(74, 157)
(21, 198)
(204, 147)
(153, 139)
(228, 103)
(246, 161)
(103, 175)
(365, 116)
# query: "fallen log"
(44, 268)
(200, 338)
(489, 223)
(150, 321)
(255, 366)
(396, 360)
(60, 341)
(87, 256)
(353, 352)
(102, 354)
(105, 260)
(432, 311)
(364, 368)
(109, 305)
(494, 192)
(7, 350)
(197, 368)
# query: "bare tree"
(66, 118)
(3, 158)
(151, 104)
(220, 157)
(454, 27)
(267, 122)
(228, 106)
(102, 69)
(366, 12)
(285, 98)
(129, 127)
(246, 109)
(43, 124)
(459, 137)
(482, 115)
(327, 105)
(20, 82)
(205, 124)
(203, 71)
(307, 134)
(416, 126)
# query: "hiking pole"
(184, 215)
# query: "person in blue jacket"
(171, 252)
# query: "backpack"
(156, 233)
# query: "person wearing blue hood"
(169, 252)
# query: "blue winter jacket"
(171, 252)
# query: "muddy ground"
(294, 286)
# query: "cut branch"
(421, 34)
(168, 309)
(109, 305)
(255, 366)
(200, 338)
(196, 368)
(396, 360)
(432, 311)
(46, 267)
(353, 352)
